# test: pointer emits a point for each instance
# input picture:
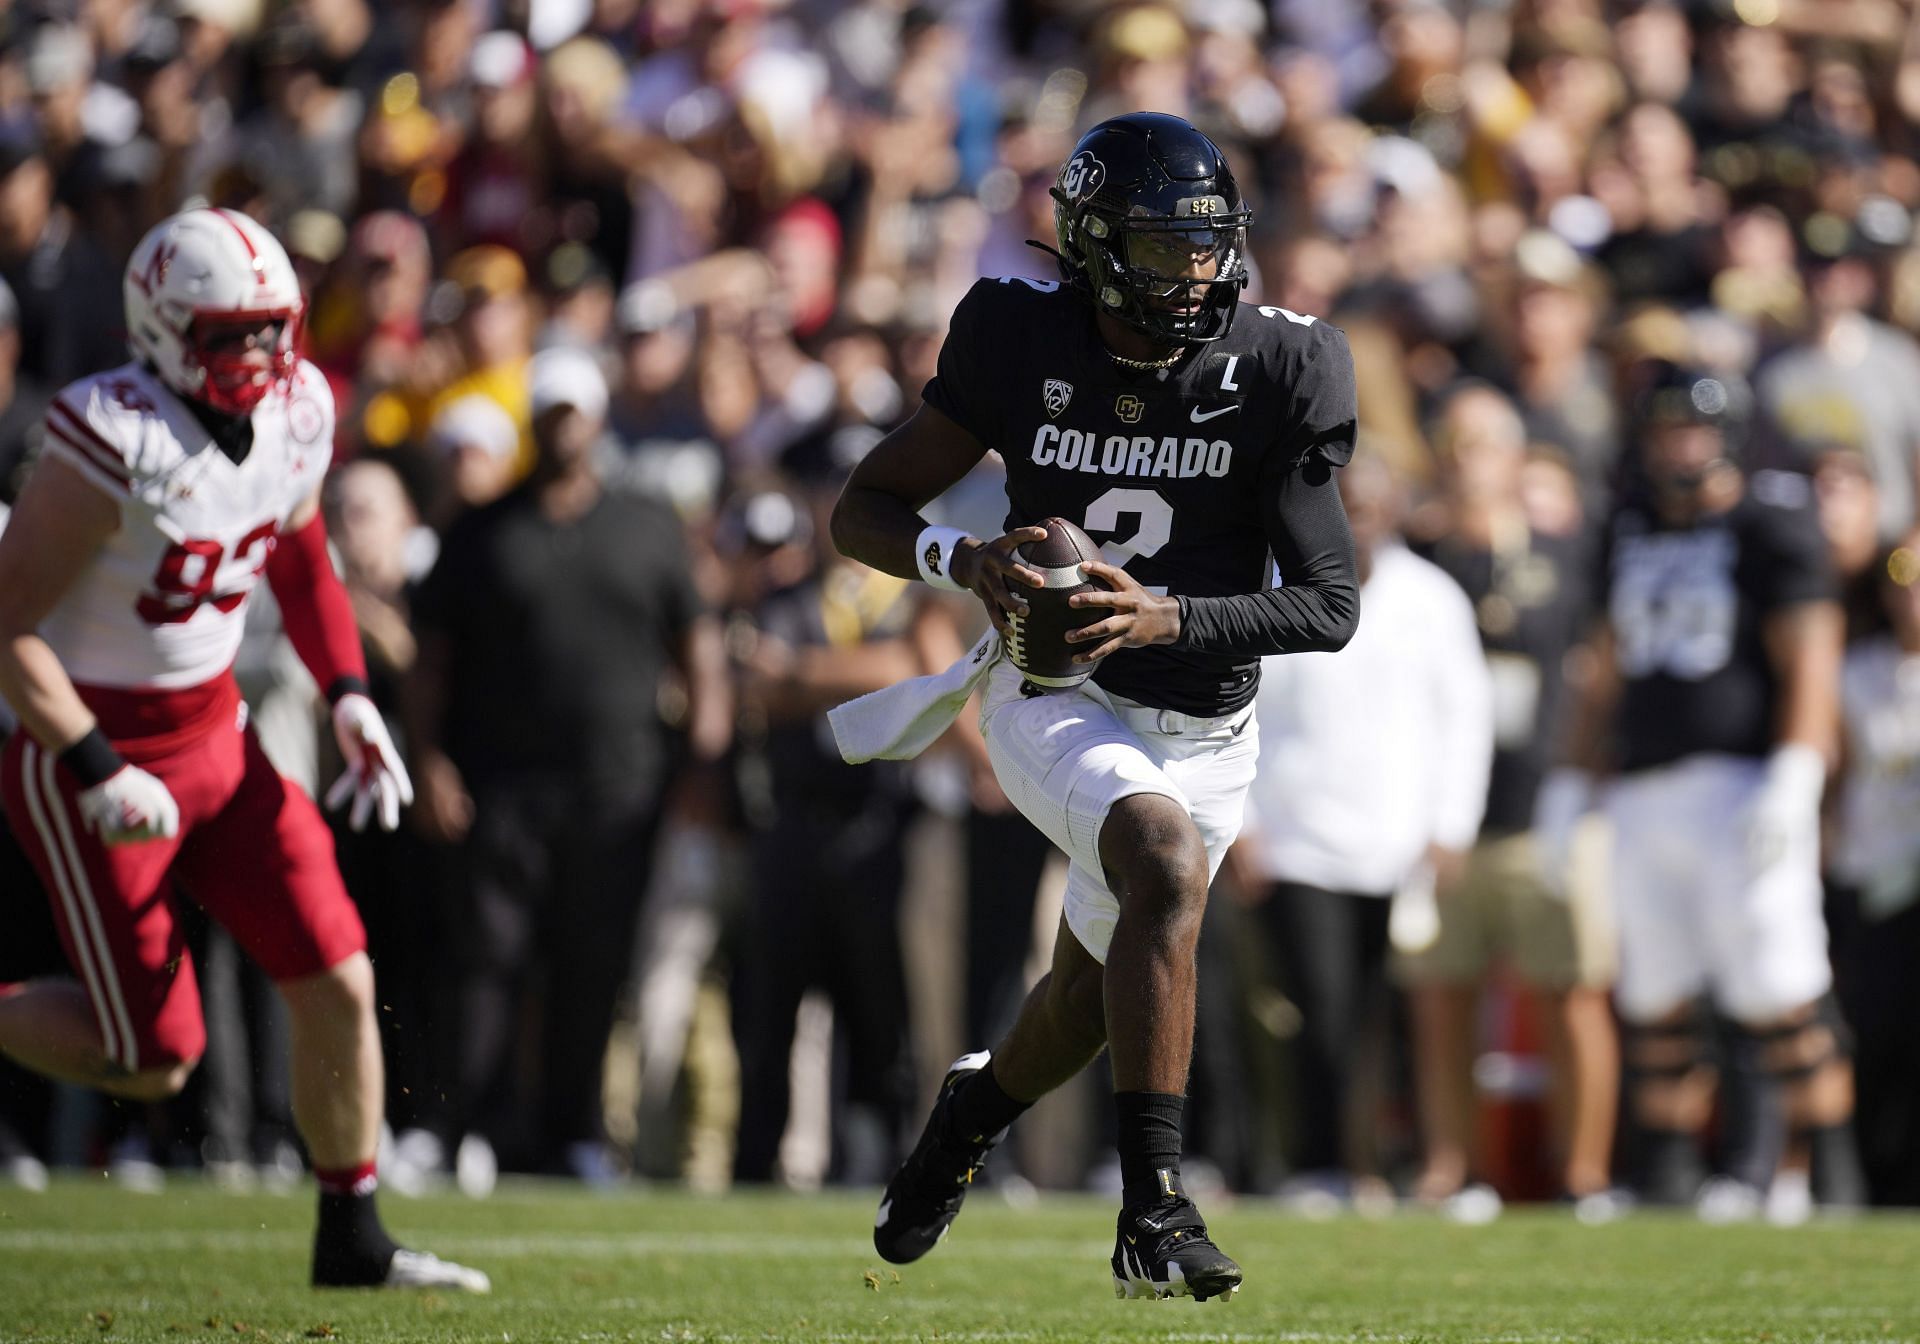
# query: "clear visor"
(1182, 256)
(241, 335)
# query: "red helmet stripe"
(245, 241)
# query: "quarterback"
(1196, 437)
(167, 487)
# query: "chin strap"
(1053, 252)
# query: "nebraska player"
(165, 489)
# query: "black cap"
(16, 150)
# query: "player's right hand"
(985, 568)
(128, 806)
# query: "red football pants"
(252, 850)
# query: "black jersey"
(1531, 600)
(1687, 606)
(1180, 473)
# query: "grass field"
(87, 1261)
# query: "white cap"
(500, 60)
(567, 376)
(58, 57)
(476, 422)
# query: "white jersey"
(1877, 841)
(163, 603)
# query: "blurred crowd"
(612, 295)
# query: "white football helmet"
(203, 289)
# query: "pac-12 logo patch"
(1056, 393)
(1082, 176)
(1129, 408)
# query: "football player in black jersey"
(1196, 438)
(1714, 705)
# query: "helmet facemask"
(1177, 279)
(223, 347)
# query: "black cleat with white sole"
(924, 1196)
(1162, 1250)
(398, 1268)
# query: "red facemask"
(226, 349)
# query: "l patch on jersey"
(1129, 408)
(1056, 393)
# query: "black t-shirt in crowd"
(1687, 607)
(559, 634)
(802, 772)
(1532, 599)
(1190, 476)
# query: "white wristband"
(933, 553)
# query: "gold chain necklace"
(1166, 363)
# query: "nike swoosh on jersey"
(1197, 415)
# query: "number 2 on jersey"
(1154, 530)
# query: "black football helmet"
(1681, 394)
(1151, 227)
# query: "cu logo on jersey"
(1129, 408)
(1082, 176)
(1056, 393)
(304, 421)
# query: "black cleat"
(397, 1268)
(924, 1196)
(1162, 1250)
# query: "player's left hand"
(375, 773)
(1139, 617)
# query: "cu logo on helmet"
(1082, 176)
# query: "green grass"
(87, 1261)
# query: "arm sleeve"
(1317, 604)
(316, 610)
(962, 386)
(1463, 707)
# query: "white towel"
(900, 722)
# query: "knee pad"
(1664, 1051)
(1793, 1051)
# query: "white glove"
(130, 805)
(1785, 814)
(1565, 796)
(374, 773)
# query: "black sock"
(1670, 1170)
(1149, 1144)
(351, 1248)
(1838, 1180)
(982, 1108)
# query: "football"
(1037, 642)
